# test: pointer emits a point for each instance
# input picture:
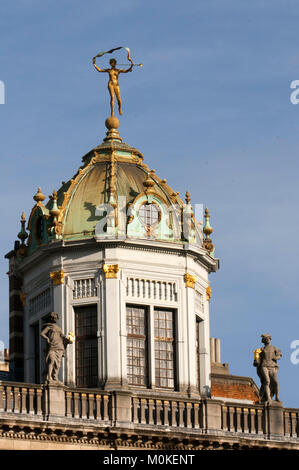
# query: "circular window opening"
(149, 214)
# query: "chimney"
(215, 353)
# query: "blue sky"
(211, 112)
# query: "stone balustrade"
(121, 409)
(22, 398)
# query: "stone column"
(69, 324)
(112, 326)
(182, 347)
(190, 281)
(204, 350)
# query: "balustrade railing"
(291, 422)
(86, 404)
(175, 413)
(21, 398)
(243, 419)
(107, 407)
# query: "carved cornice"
(59, 435)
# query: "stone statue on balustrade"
(265, 360)
(56, 345)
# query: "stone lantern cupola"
(118, 254)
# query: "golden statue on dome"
(113, 72)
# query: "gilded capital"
(208, 292)
(190, 280)
(57, 277)
(23, 298)
(110, 271)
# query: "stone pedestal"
(275, 419)
(122, 408)
(55, 400)
(211, 415)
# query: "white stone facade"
(151, 274)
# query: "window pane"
(137, 345)
(164, 348)
(86, 346)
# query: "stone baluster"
(135, 410)
(166, 413)
(68, 403)
(76, 405)
(105, 408)
(245, 420)
(181, 414)
(1, 398)
(188, 415)
(142, 410)
(17, 399)
(91, 405)
(39, 402)
(259, 421)
(83, 405)
(224, 418)
(158, 412)
(9, 399)
(23, 400)
(31, 401)
(238, 419)
(150, 411)
(174, 421)
(196, 415)
(98, 412)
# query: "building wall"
(148, 275)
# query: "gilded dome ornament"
(22, 235)
(39, 197)
(207, 230)
(56, 226)
(148, 183)
(113, 85)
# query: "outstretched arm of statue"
(98, 68)
(127, 70)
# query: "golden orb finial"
(22, 235)
(54, 210)
(188, 198)
(148, 183)
(207, 230)
(39, 197)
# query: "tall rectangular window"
(164, 348)
(86, 346)
(137, 345)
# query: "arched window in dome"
(149, 214)
(149, 217)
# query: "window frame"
(145, 338)
(82, 338)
